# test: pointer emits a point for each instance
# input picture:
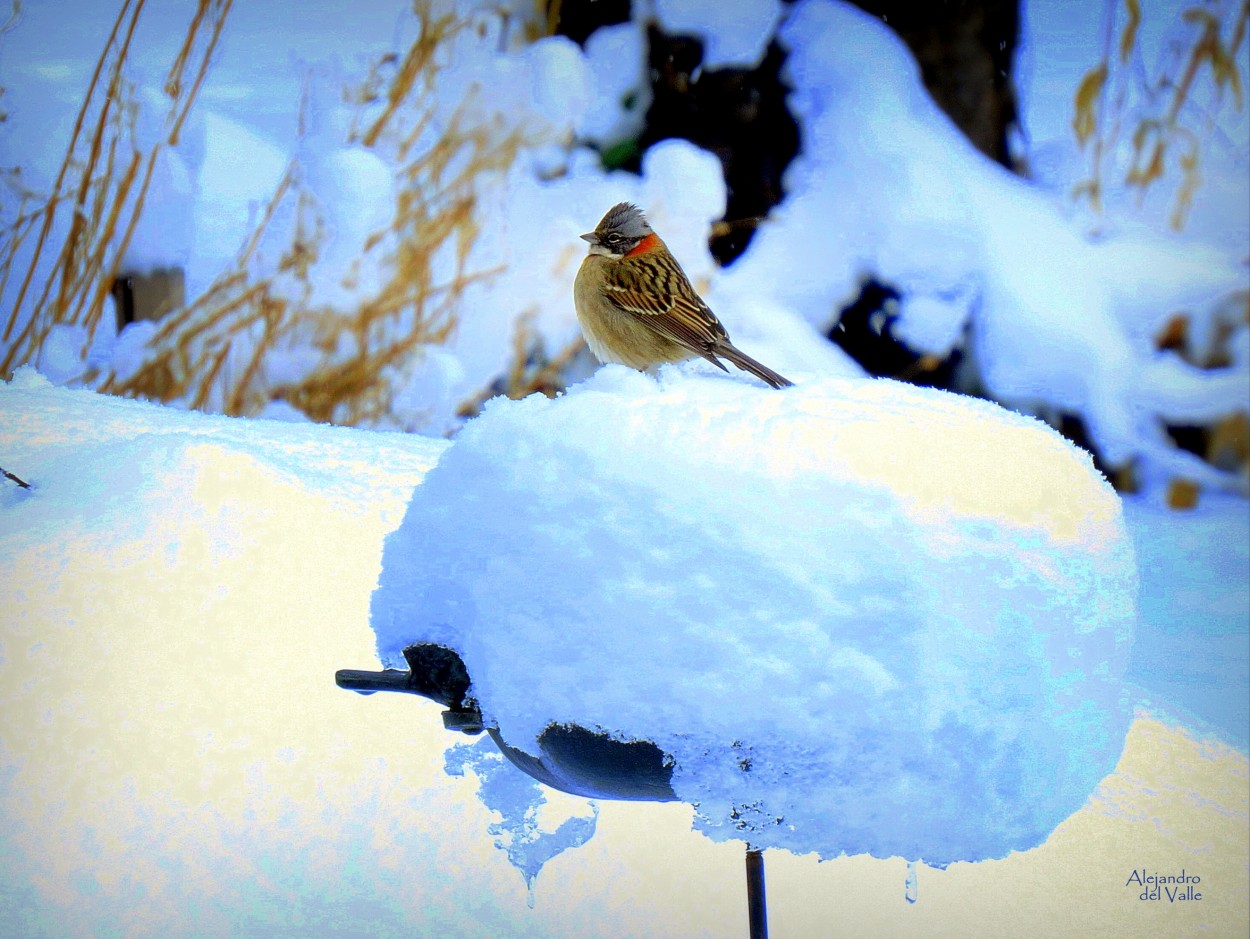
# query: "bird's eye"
(613, 238)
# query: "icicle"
(909, 885)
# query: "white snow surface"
(857, 616)
(110, 454)
(616, 58)
(733, 34)
(209, 574)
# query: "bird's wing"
(668, 305)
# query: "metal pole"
(757, 905)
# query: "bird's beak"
(591, 237)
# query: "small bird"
(636, 306)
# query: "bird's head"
(618, 232)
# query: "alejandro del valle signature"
(1170, 887)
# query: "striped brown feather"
(660, 295)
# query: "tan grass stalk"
(1160, 139)
(367, 350)
(103, 189)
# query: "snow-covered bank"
(175, 759)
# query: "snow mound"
(859, 616)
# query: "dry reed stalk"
(364, 352)
(1155, 105)
(102, 183)
(48, 213)
(1119, 92)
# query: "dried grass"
(1119, 97)
(1150, 128)
(366, 351)
(217, 351)
(99, 190)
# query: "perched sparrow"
(636, 306)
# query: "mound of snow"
(857, 616)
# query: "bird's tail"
(745, 362)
